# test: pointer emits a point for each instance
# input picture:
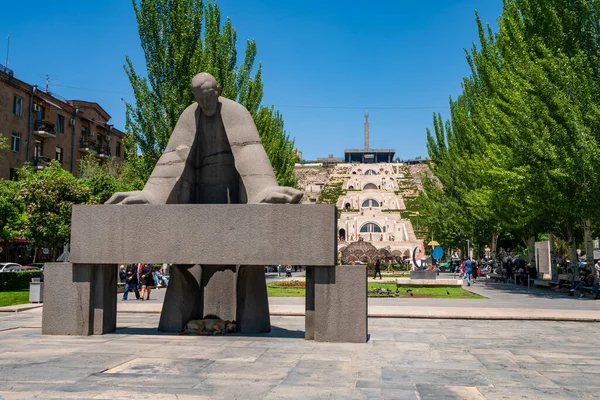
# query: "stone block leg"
(340, 304)
(219, 291)
(309, 315)
(252, 300)
(183, 300)
(79, 299)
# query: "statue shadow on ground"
(546, 293)
(276, 331)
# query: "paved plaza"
(405, 358)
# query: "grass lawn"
(273, 291)
(418, 292)
(448, 292)
(11, 298)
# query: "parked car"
(450, 265)
(3, 266)
(21, 268)
(36, 265)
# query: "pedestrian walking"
(131, 281)
(147, 279)
(122, 274)
(468, 270)
(377, 269)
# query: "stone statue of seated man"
(214, 156)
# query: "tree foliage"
(181, 38)
(105, 179)
(48, 196)
(519, 154)
(10, 209)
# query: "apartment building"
(41, 127)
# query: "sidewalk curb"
(16, 308)
(428, 316)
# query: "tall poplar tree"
(520, 150)
(181, 38)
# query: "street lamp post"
(468, 249)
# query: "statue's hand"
(279, 194)
(135, 197)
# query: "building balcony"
(87, 146)
(44, 129)
(103, 151)
(41, 162)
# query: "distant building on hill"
(367, 188)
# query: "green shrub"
(17, 280)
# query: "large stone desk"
(81, 296)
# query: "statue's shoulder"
(191, 109)
(238, 123)
(235, 110)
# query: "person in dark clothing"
(377, 269)
(147, 279)
(131, 281)
(122, 274)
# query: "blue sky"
(324, 61)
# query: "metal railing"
(41, 161)
(103, 150)
(85, 143)
(43, 126)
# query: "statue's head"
(206, 92)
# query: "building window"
(83, 132)
(40, 113)
(59, 154)
(370, 186)
(60, 124)
(370, 227)
(39, 150)
(15, 143)
(18, 106)
(118, 150)
(370, 172)
(370, 203)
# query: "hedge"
(17, 280)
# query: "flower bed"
(288, 284)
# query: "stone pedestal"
(231, 293)
(336, 304)
(219, 287)
(423, 274)
(183, 300)
(83, 299)
(252, 314)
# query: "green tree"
(48, 196)
(104, 179)
(181, 38)
(10, 209)
(519, 152)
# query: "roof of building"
(369, 151)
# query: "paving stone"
(405, 358)
(448, 392)
(161, 366)
(441, 377)
(320, 377)
(293, 392)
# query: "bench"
(564, 280)
(496, 277)
(544, 283)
